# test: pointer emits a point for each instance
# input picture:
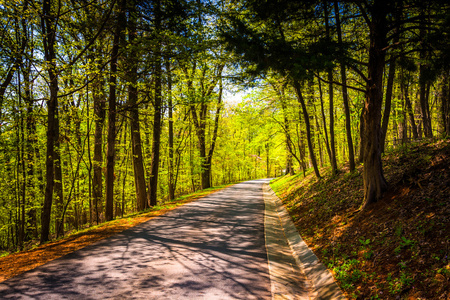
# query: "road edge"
(322, 281)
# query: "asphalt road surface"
(213, 248)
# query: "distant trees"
(115, 106)
(99, 117)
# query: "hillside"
(399, 247)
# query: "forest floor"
(396, 249)
(20, 262)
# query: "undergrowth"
(398, 248)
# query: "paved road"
(213, 248)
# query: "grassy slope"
(399, 247)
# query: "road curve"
(213, 248)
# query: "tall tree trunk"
(348, 128)
(374, 182)
(31, 230)
(111, 142)
(21, 166)
(423, 84)
(199, 120)
(58, 182)
(206, 169)
(387, 104)
(48, 24)
(138, 161)
(445, 104)
(216, 127)
(100, 114)
(331, 103)
(153, 182)
(404, 86)
(324, 119)
(289, 165)
(389, 88)
(286, 129)
(171, 179)
(361, 136)
(301, 100)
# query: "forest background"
(111, 107)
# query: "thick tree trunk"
(205, 167)
(138, 162)
(49, 33)
(301, 100)
(374, 182)
(206, 176)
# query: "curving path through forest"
(213, 248)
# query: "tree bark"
(374, 182)
(348, 128)
(48, 25)
(405, 91)
(171, 179)
(58, 182)
(216, 126)
(445, 104)
(153, 182)
(138, 161)
(424, 84)
(100, 114)
(111, 140)
(31, 230)
(387, 104)
(301, 100)
(389, 88)
(199, 120)
(331, 103)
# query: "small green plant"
(402, 264)
(399, 284)
(348, 273)
(364, 242)
(404, 243)
(368, 255)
